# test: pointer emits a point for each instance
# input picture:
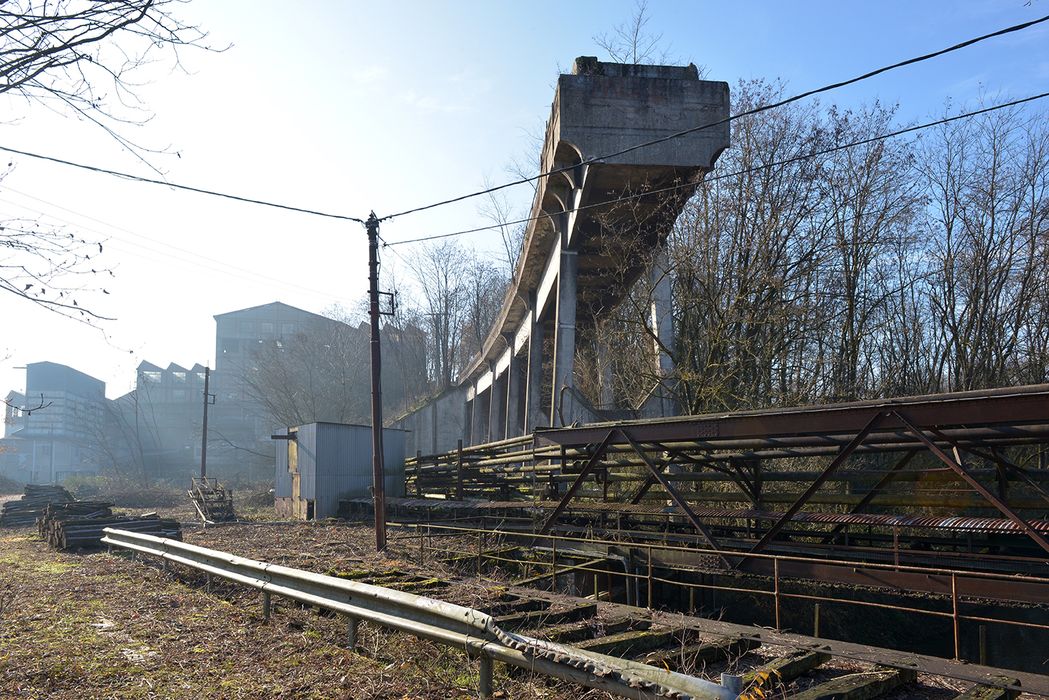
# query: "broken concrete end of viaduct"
(599, 227)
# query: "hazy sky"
(352, 106)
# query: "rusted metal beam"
(1011, 468)
(1011, 406)
(570, 494)
(642, 490)
(882, 483)
(818, 482)
(974, 483)
(733, 471)
(675, 496)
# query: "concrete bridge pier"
(514, 394)
(496, 405)
(563, 408)
(534, 413)
(661, 328)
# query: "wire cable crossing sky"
(747, 113)
(723, 176)
(522, 181)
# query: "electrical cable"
(685, 132)
(195, 258)
(723, 176)
(750, 112)
(175, 185)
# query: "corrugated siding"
(344, 456)
(343, 464)
(308, 459)
(281, 478)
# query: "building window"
(287, 329)
(180, 377)
(178, 394)
(151, 377)
(267, 328)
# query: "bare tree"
(318, 375)
(79, 58)
(84, 56)
(988, 179)
(631, 42)
(867, 210)
(51, 267)
(441, 276)
(497, 209)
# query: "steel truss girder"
(657, 473)
(963, 473)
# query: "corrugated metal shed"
(327, 462)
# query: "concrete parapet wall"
(602, 108)
(436, 426)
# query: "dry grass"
(108, 626)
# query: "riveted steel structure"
(945, 467)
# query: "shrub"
(8, 485)
(124, 492)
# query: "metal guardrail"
(453, 625)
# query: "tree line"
(900, 266)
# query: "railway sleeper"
(784, 669)
(692, 655)
(573, 632)
(633, 643)
(510, 604)
(537, 618)
(859, 686)
(990, 692)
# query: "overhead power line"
(344, 217)
(192, 257)
(747, 113)
(177, 186)
(723, 176)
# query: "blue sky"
(354, 106)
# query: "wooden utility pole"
(378, 470)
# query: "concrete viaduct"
(594, 234)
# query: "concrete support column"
(474, 433)
(564, 340)
(483, 400)
(661, 320)
(496, 406)
(534, 412)
(513, 394)
(662, 312)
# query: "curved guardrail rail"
(445, 623)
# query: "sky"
(350, 107)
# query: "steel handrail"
(445, 623)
